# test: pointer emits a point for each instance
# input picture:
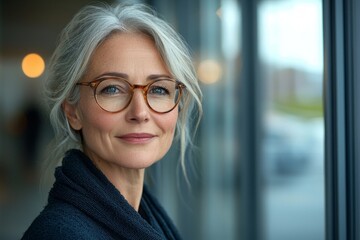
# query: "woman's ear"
(72, 115)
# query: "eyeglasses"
(114, 94)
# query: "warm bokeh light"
(219, 13)
(33, 65)
(209, 71)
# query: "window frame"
(342, 118)
(249, 116)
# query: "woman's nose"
(138, 110)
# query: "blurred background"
(258, 169)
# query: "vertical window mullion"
(352, 39)
(342, 118)
(249, 118)
(334, 121)
(356, 89)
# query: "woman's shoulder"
(63, 221)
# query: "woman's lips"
(137, 137)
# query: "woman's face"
(136, 137)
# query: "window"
(292, 160)
(261, 142)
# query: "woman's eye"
(113, 90)
(110, 90)
(156, 90)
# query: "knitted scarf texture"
(83, 203)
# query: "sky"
(290, 34)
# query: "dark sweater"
(83, 204)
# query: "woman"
(121, 85)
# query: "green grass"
(308, 109)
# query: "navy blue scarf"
(82, 186)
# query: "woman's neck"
(129, 182)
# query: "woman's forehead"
(129, 53)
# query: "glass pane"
(211, 208)
(290, 42)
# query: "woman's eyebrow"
(157, 76)
(113, 74)
(126, 76)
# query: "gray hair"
(91, 26)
